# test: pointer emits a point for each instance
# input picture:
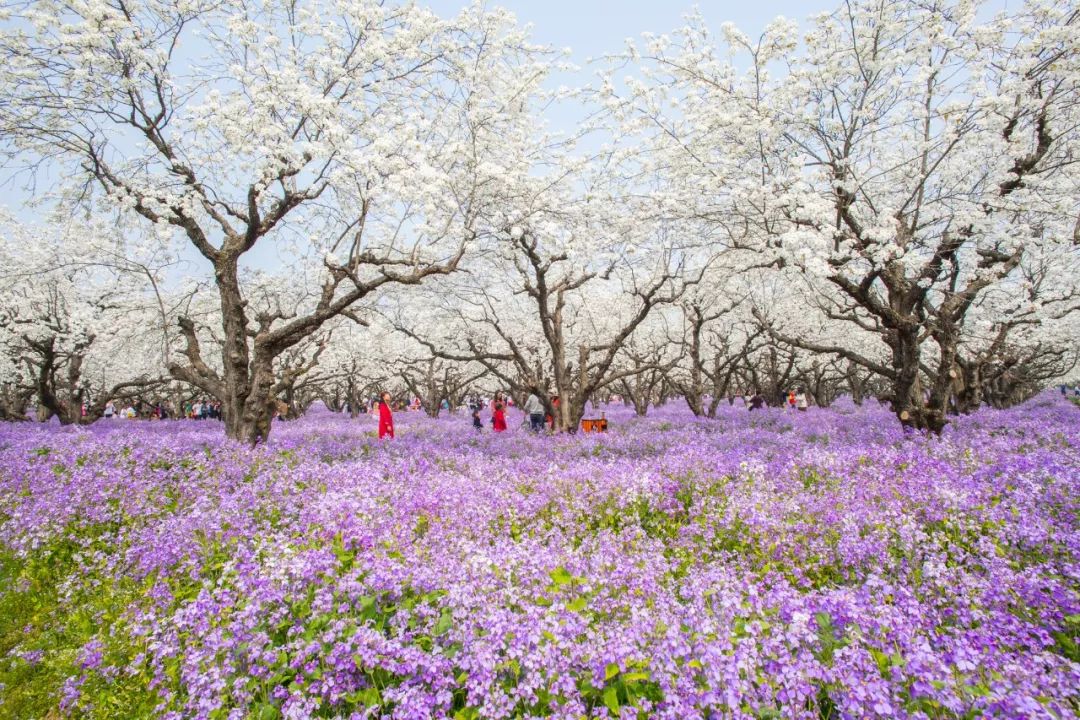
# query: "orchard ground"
(768, 564)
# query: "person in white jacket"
(535, 409)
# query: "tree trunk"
(855, 384)
(911, 408)
(694, 401)
(721, 383)
(570, 414)
(637, 395)
(246, 386)
(252, 426)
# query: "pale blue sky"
(593, 27)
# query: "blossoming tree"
(351, 135)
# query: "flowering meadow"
(761, 565)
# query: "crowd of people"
(539, 416)
(536, 415)
(796, 399)
(200, 409)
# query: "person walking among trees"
(791, 400)
(554, 411)
(535, 410)
(498, 418)
(800, 399)
(386, 417)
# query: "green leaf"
(881, 659)
(611, 700)
(368, 697)
(577, 604)
(560, 576)
(268, 712)
(611, 671)
(446, 621)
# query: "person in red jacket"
(498, 418)
(386, 418)
(550, 419)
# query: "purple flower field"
(768, 564)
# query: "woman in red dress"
(498, 418)
(386, 418)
